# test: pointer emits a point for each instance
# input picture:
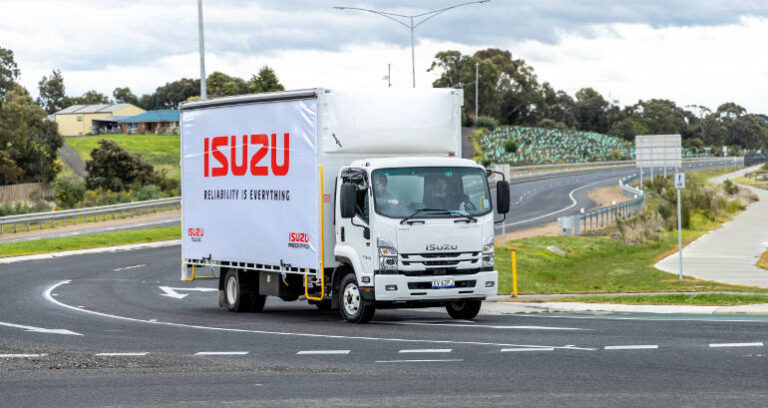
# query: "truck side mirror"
(502, 196)
(347, 200)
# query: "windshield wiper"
(439, 210)
(465, 215)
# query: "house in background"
(78, 120)
(156, 121)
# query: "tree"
(170, 95)
(219, 84)
(28, 137)
(8, 168)
(92, 97)
(9, 72)
(52, 96)
(265, 81)
(113, 168)
(124, 95)
(591, 111)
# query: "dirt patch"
(175, 214)
(547, 230)
(605, 196)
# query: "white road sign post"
(658, 151)
(679, 185)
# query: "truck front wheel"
(464, 309)
(236, 299)
(352, 307)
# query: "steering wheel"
(469, 206)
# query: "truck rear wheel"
(464, 309)
(352, 307)
(238, 300)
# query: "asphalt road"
(63, 312)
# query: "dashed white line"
(425, 351)
(142, 354)
(221, 353)
(125, 268)
(633, 347)
(322, 352)
(516, 349)
(22, 355)
(447, 360)
(755, 344)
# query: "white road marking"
(221, 353)
(488, 326)
(422, 361)
(40, 329)
(633, 347)
(172, 292)
(125, 268)
(22, 355)
(425, 351)
(755, 344)
(121, 354)
(321, 352)
(48, 297)
(515, 349)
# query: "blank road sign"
(658, 151)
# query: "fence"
(21, 192)
(601, 217)
(50, 218)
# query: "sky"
(698, 52)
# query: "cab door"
(353, 235)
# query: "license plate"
(442, 283)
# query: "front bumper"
(418, 293)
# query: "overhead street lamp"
(411, 22)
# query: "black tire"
(352, 307)
(236, 299)
(464, 309)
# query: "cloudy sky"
(691, 51)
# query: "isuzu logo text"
(195, 234)
(299, 240)
(260, 146)
(443, 247)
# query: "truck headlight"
(387, 255)
(488, 253)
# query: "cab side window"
(360, 180)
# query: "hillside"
(162, 151)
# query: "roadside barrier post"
(514, 272)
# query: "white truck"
(354, 200)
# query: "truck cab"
(414, 232)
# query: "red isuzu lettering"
(231, 163)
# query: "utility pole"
(203, 91)
(477, 81)
(389, 75)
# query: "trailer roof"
(261, 97)
(411, 161)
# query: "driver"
(380, 188)
(438, 198)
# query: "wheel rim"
(231, 290)
(457, 306)
(351, 299)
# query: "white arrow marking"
(40, 329)
(172, 292)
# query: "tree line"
(510, 92)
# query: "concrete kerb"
(119, 248)
(500, 306)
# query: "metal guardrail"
(572, 225)
(125, 210)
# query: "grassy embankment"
(707, 299)
(89, 241)
(602, 264)
(162, 151)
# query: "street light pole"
(203, 91)
(411, 22)
(477, 81)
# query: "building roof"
(101, 108)
(163, 115)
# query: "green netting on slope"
(549, 146)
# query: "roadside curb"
(502, 306)
(119, 248)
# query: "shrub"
(730, 188)
(510, 146)
(487, 122)
(148, 192)
(114, 168)
(69, 190)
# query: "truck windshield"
(400, 192)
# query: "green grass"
(89, 241)
(708, 299)
(751, 182)
(162, 151)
